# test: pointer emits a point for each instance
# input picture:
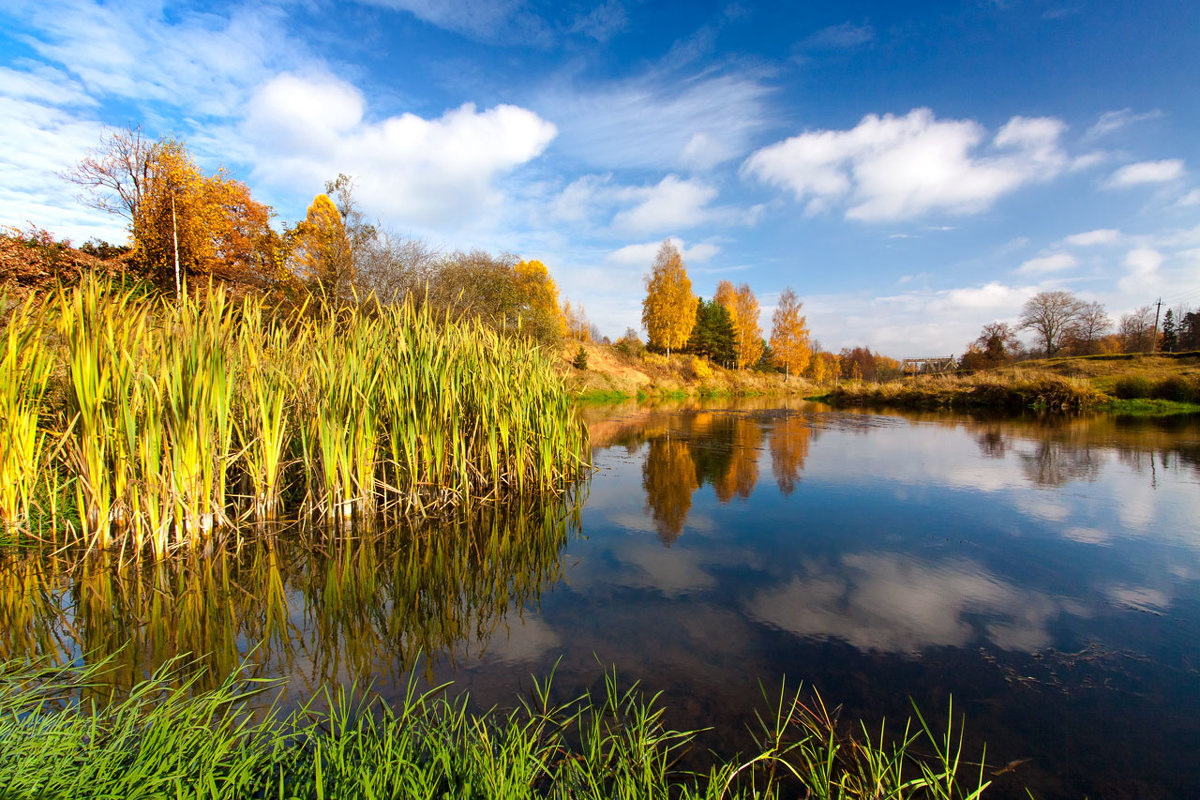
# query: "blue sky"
(912, 170)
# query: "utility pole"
(1154, 336)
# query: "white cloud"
(658, 121)
(1054, 262)
(427, 171)
(673, 203)
(1097, 237)
(892, 168)
(1190, 199)
(1143, 264)
(1111, 121)
(642, 255)
(484, 20)
(1146, 172)
(840, 37)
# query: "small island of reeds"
(149, 424)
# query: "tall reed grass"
(168, 738)
(169, 422)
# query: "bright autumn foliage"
(742, 306)
(823, 367)
(790, 347)
(669, 310)
(540, 295)
(211, 222)
(321, 249)
(749, 335)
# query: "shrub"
(701, 369)
(1174, 388)
(1132, 387)
(581, 359)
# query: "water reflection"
(316, 611)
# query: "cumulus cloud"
(642, 255)
(892, 168)
(673, 203)
(426, 171)
(1142, 264)
(1054, 262)
(1099, 236)
(1146, 172)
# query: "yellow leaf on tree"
(669, 310)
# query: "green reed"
(25, 365)
(179, 420)
(66, 735)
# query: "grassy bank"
(613, 375)
(167, 739)
(140, 423)
(1015, 391)
(1127, 384)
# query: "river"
(1040, 572)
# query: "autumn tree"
(1091, 324)
(1137, 331)
(823, 367)
(578, 326)
(997, 344)
(321, 253)
(713, 335)
(743, 310)
(1052, 316)
(182, 221)
(539, 299)
(790, 345)
(669, 310)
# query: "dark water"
(1042, 572)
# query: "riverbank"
(162, 738)
(613, 375)
(1130, 384)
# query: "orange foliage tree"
(669, 310)
(182, 221)
(790, 347)
(321, 253)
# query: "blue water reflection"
(1044, 571)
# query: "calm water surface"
(1042, 571)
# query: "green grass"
(66, 735)
(600, 396)
(1148, 407)
(156, 413)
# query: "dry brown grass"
(1014, 389)
(611, 372)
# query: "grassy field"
(166, 738)
(1137, 384)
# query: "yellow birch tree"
(540, 296)
(321, 251)
(790, 346)
(749, 335)
(669, 310)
